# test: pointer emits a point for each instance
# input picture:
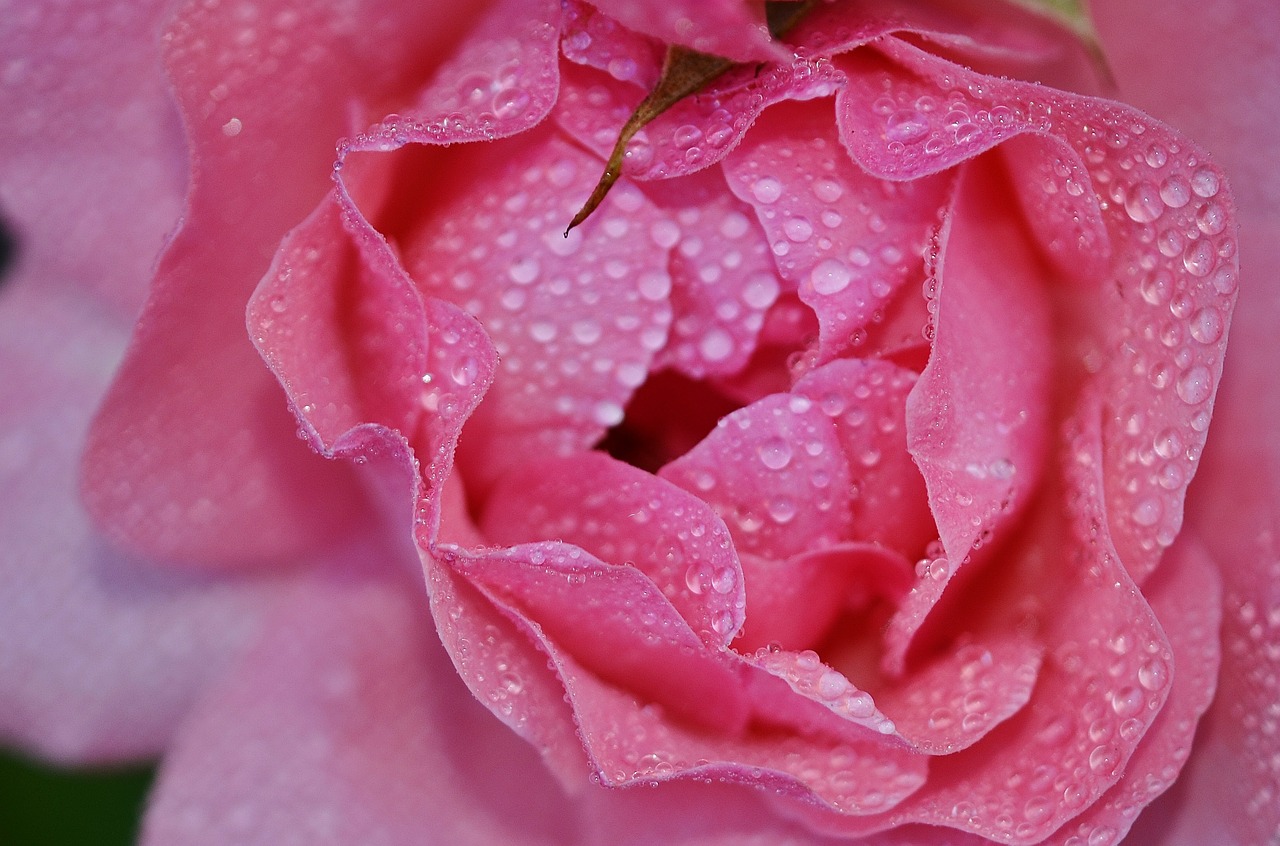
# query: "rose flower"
(824, 482)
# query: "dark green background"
(45, 806)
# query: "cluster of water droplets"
(847, 241)
(575, 321)
(723, 284)
(1177, 260)
(502, 80)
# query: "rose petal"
(498, 81)
(775, 473)
(847, 240)
(1105, 651)
(792, 603)
(626, 516)
(723, 280)
(978, 418)
(613, 622)
(866, 400)
(719, 27)
(588, 37)
(345, 724)
(1184, 594)
(192, 400)
(576, 321)
(506, 672)
(1218, 88)
(1171, 279)
(696, 132)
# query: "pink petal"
(720, 27)
(775, 473)
(723, 279)
(1104, 653)
(626, 516)
(630, 741)
(826, 220)
(1221, 91)
(793, 603)
(867, 401)
(101, 654)
(1170, 281)
(596, 40)
(696, 132)
(499, 80)
(576, 321)
(192, 455)
(345, 724)
(978, 418)
(506, 671)
(957, 700)
(613, 622)
(1179, 594)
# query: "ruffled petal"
(720, 27)
(625, 516)
(1217, 84)
(846, 240)
(775, 474)
(1154, 325)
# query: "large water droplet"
(1143, 203)
(906, 126)
(766, 190)
(830, 276)
(1195, 385)
(775, 453)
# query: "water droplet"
(1147, 512)
(1211, 218)
(767, 190)
(1143, 203)
(830, 276)
(686, 136)
(798, 229)
(524, 271)
(1153, 675)
(1199, 258)
(906, 126)
(607, 413)
(775, 453)
(831, 684)
(1104, 760)
(1175, 192)
(1205, 183)
(1195, 385)
(1206, 325)
(782, 510)
(827, 190)
(716, 345)
(1127, 701)
(464, 371)
(693, 579)
(510, 103)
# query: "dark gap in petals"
(667, 416)
(8, 250)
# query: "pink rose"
(826, 482)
